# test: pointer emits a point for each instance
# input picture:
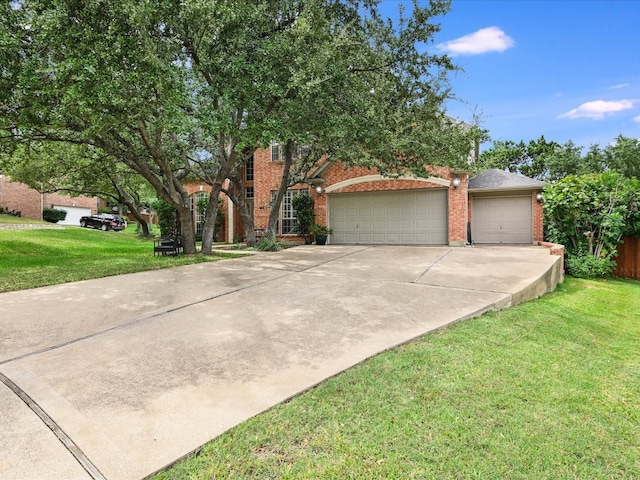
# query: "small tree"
(303, 204)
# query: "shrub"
(167, 217)
(303, 204)
(589, 214)
(587, 266)
(268, 244)
(53, 215)
(13, 213)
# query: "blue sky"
(565, 69)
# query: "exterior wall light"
(319, 190)
(539, 197)
(456, 182)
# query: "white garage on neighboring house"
(73, 214)
(505, 208)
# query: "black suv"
(104, 222)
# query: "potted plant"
(321, 232)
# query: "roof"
(495, 179)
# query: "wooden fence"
(628, 261)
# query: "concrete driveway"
(118, 377)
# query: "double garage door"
(502, 220)
(401, 217)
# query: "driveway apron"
(118, 377)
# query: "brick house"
(363, 207)
(22, 198)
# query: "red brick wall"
(458, 212)
(267, 179)
(268, 174)
(51, 199)
(18, 196)
(538, 218)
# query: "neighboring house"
(20, 197)
(363, 207)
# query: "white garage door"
(417, 217)
(73, 214)
(502, 220)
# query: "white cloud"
(636, 119)
(490, 39)
(598, 109)
(620, 85)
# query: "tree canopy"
(177, 89)
(550, 161)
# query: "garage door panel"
(392, 212)
(393, 225)
(407, 224)
(398, 217)
(502, 220)
(407, 211)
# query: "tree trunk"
(237, 196)
(274, 214)
(142, 223)
(187, 229)
(209, 228)
(246, 216)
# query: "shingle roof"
(495, 179)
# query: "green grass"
(35, 258)
(17, 220)
(547, 390)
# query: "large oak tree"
(175, 89)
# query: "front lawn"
(37, 257)
(549, 389)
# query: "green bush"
(53, 215)
(303, 204)
(13, 213)
(589, 214)
(167, 217)
(268, 244)
(587, 266)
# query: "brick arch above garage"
(371, 183)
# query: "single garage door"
(402, 217)
(73, 214)
(502, 220)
